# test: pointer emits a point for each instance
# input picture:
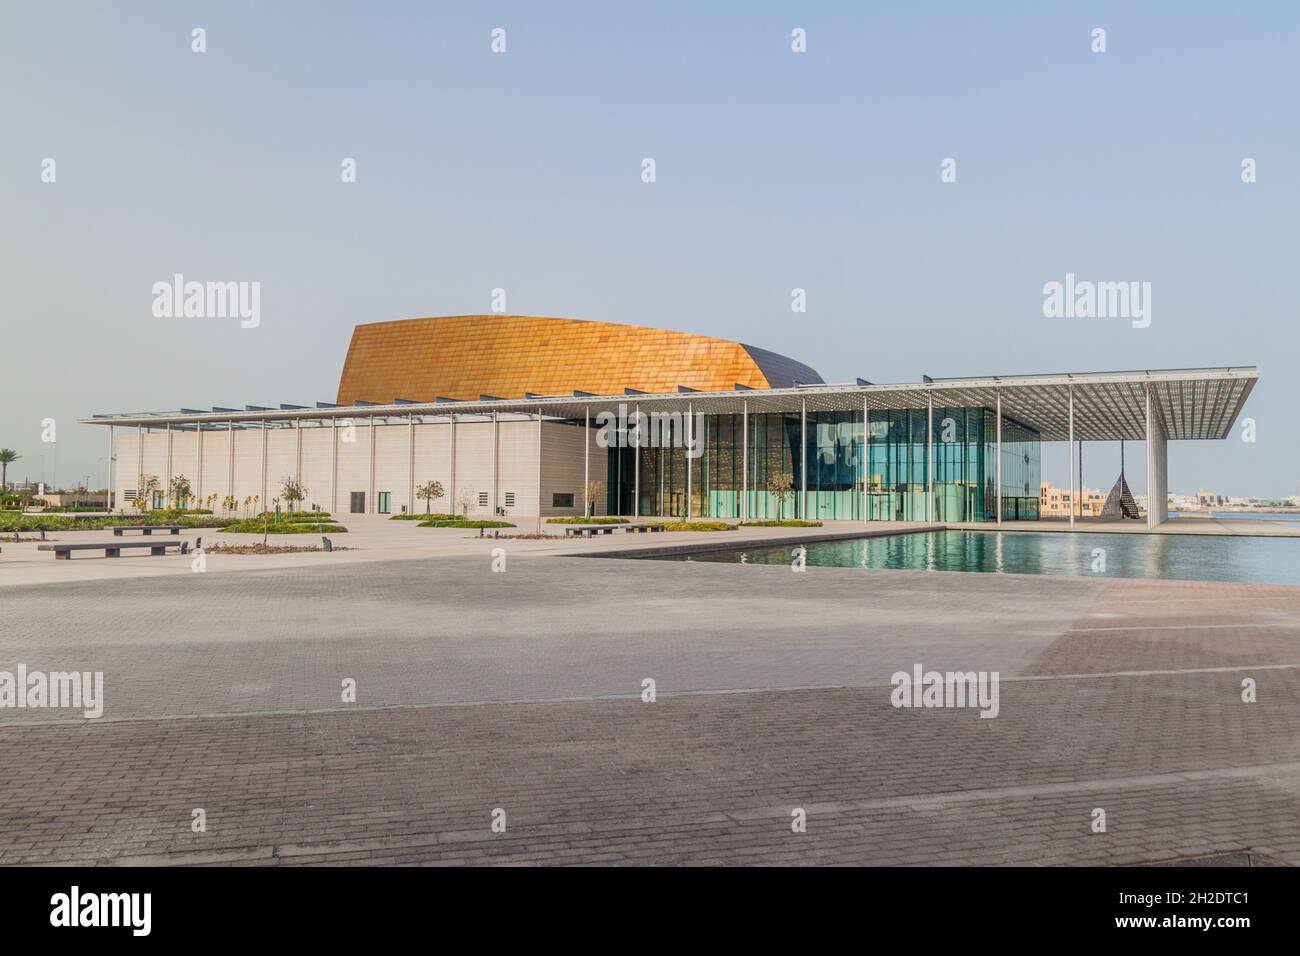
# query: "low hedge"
(47, 522)
(586, 521)
(435, 516)
(699, 526)
(254, 526)
(787, 523)
(462, 523)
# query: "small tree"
(595, 489)
(465, 500)
(292, 490)
(430, 491)
(781, 487)
(146, 485)
(179, 490)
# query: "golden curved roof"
(466, 356)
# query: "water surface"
(1166, 556)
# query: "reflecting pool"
(1178, 557)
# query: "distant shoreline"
(1235, 512)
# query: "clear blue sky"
(522, 171)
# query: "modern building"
(548, 416)
(1054, 502)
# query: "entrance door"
(358, 502)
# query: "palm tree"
(7, 457)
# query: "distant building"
(1208, 499)
(1054, 502)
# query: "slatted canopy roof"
(1198, 403)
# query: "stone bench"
(589, 530)
(147, 529)
(111, 549)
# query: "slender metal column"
(139, 462)
(744, 462)
(496, 444)
(1151, 483)
(167, 483)
(334, 464)
(198, 439)
(451, 432)
(372, 506)
(636, 466)
(112, 473)
(410, 465)
(999, 457)
(230, 459)
(803, 464)
(866, 456)
(1080, 473)
(690, 447)
(297, 451)
(929, 456)
(586, 463)
(263, 502)
(539, 469)
(1069, 455)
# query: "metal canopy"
(1108, 406)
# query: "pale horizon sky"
(522, 170)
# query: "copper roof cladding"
(466, 356)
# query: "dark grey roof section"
(780, 370)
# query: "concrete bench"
(111, 549)
(589, 530)
(147, 529)
(641, 528)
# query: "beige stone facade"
(490, 465)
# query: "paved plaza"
(522, 691)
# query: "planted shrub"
(610, 520)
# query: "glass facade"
(893, 474)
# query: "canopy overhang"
(1190, 404)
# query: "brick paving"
(1182, 767)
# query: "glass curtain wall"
(1021, 469)
(893, 474)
